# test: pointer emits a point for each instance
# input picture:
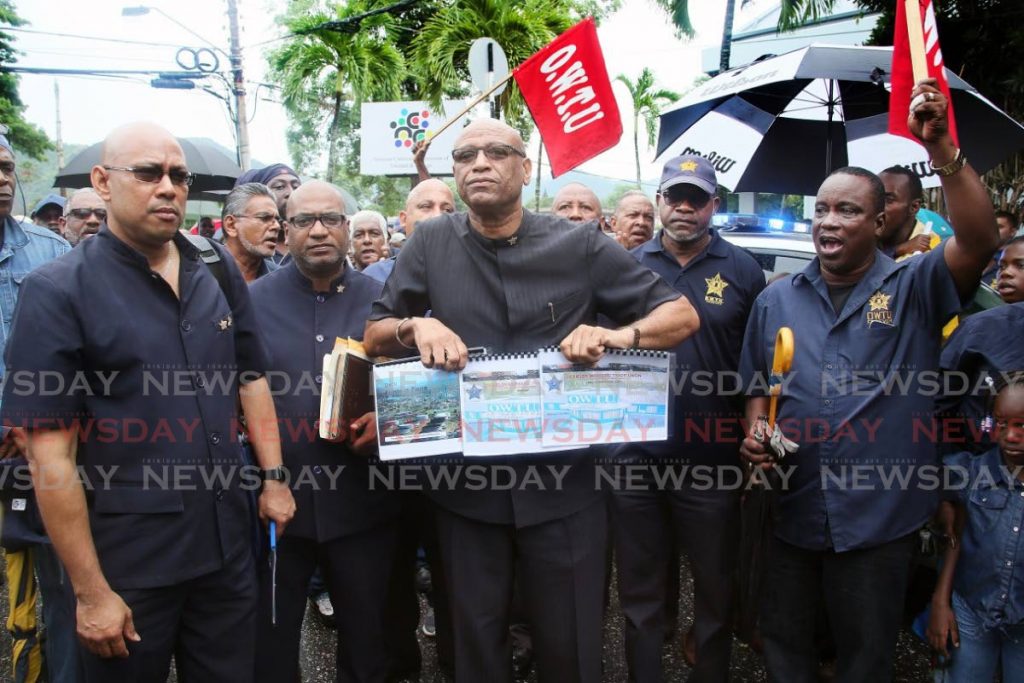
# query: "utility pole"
(60, 143)
(241, 114)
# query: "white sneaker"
(324, 608)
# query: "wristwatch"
(959, 161)
(279, 473)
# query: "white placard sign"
(390, 129)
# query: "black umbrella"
(783, 123)
(213, 165)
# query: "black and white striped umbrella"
(783, 123)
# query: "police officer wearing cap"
(649, 520)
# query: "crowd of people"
(192, 510)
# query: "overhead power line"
(83, 37)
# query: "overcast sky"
(638, 35)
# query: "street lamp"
(240, 115)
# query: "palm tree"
(314, 64)
(440, 50)
(794, 13)
(647, 102)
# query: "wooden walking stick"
(782, 361)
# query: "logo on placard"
(879, 312)
(411, 126)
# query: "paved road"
(318, 643)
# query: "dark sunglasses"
(494, 152)
(154, 174)
(82, 214)
(694, 196)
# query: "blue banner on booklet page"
(622, 398)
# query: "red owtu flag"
(903, 72)
(566, 87)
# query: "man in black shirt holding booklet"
(503, 278)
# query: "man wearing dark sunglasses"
(84, 215)
(652, 525)
(501, 277)
(158, 552)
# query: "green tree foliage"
(320, 70)
(440, 50)
(794, 13)
(419, 53)
(25, 136)
(647, 102)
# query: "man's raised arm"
(975, 236)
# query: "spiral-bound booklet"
(417, 410)
(623, 398)
(501, 411)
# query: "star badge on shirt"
(339, 289)
(715, 293)
(225, 323)
(512, 240)
(878, 310)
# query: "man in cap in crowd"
(251, 225)
(633, 221)
(721, 281)
(84, 215)
(158, 553)
(533, 281)
(24, 247)
(49, 213)
(369, 238)
(843, 538)
(430, 197)
(282, 181)
(343, 523)
(576, 202)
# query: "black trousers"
(357, 569)
(207, 624)
(862, 591)
(650, 525)
(417, 529)
(562, 570)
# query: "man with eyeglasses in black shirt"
(344, 524)
(84, 215)
(251, 225)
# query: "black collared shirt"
(101, 341)
(331, 485)
(516, 295)
(721, 282)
